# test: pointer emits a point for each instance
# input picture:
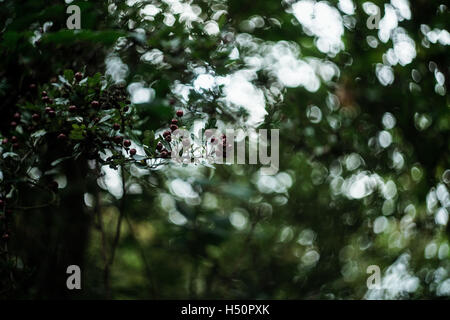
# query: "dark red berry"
(52, 113)
(16, 145)
(5, 236)
(132, 152)
(127, 143)
(166, 133)
(62, 137)
(95, 104)
(5, 141)
(159, 146)
(50, 101)
(45, 99)
(118, 139)
(48, 109)
(180, 113)
(72, 109)
(172, 101)
(164, 154)
(32, 86)
(213, 140)
(174, 121)
(116, 126)
(78, 76)
(173, 127)
(13, 124)
(35, 117)
(16, 116)
(44, 93)
(168, 138)
(14, 139)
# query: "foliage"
(364, 119)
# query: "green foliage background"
(298, 235)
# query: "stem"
(144, 259)
(104, 248)
(117, 235)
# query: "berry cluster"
(77, 117)
(167, 135)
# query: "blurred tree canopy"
(364, 120)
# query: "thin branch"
(144, 259)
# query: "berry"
(35, 117)
(52, 113)
(16, 116)
(13, 124)
(62, 137)
(174, 121)
(118, 139)
(32, 86)
(116, 126)
(213, 140)
(5, 141)
(95, 104)
(78, 76)
(45, 99)
(14, 139)
(173, 127)
(164, 154)
(172, 101)
(159, 146)
(126, 109)
(16, 145)
(50, 101)
(127, 143)
(132, 152)
(44, 93)
(168, 138)
(180, 113)
(72, 109)
(5, 236)
(48, 109)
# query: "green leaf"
(105, 118)
(10, 155)
(68, 75)
(58, 161)
(138, 157)
(38, 134)
(95, 80)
